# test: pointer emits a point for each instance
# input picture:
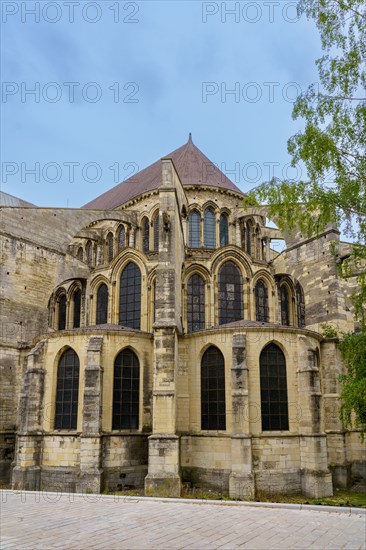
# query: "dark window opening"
(102, 305)
(62, 312)
(213, 407)
(224, 230)
(145, 235)
(130, 297)
(230, 294)
(110, 247)
(209, 228)
(77, 308)
(261, 302)
(67, 391)
(285, 306)
(300, 302)
(196, 303)
(126, 391)
(194, 229)
(273, 384)
(248, 238)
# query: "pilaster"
(163, 477)
(241, 481)
(316, 479)
(90, 479)
(26, 473)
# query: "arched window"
(285, 305)
(156, 232)
(145, 235)
(230, 294)
(194, 229)
(209, 228)
(77, 308)
(89, 253)
(273, 389)
(102, 305)
(80, 253)
(62, 312)
(248, 238)
(196, 303)
(130, 297)
(300, 303)
(224, 230)
(126, 391)
(110, 247)
(67, 392)
(261, 302)
(213, 409)
(121, 239)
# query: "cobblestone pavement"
(51, 520)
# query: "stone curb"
(136, 499)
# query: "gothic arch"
(200, 270)
(97, 281)
(231, 253)
(195, 206)
(77, 283)
(262, 274)
(75, 298)
(286, 286)
(210, 204)
(120, 263)
(121, 239)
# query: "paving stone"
(32, 523)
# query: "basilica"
(155, 337)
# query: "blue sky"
(114, 95)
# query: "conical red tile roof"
(193, 167)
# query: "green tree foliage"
(332, 147)
(353, 393)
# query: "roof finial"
(190, 138)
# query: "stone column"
(202, 232)
(237, 233)
(185, 229)
(90, 479)
(268, 250)
(132, 237)
(241, 481)
(316, 479)
(26, 473)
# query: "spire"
(190, 138)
